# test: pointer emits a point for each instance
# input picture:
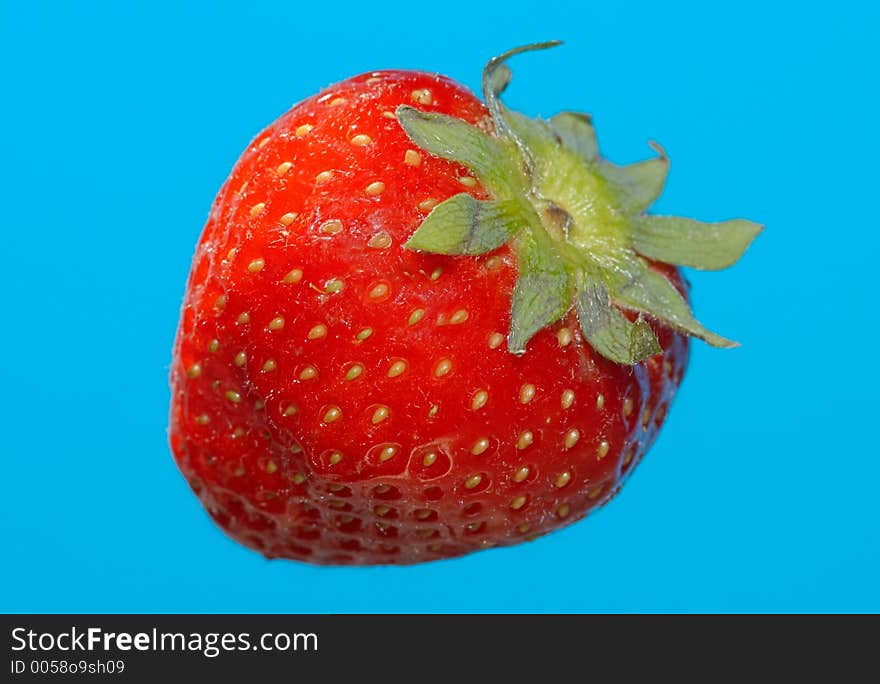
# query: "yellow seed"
(379, 290)
(524, 528)
(336, 101)
(334, 286)
(382, 510)
(473, 481)
(479, 399)
(308, 373)
(495, 340)
(564, 337)
(283, 168)
(335, 458)
(203, 419)
(354, 372)
(290, 410)
(416, 316)
(331, 227)
(433, 411)
(298, 478)
(602, 449)
(518, 502)
(646, 418)
(220, 302)
(389, 115)
(233, 396)
(429, 459)
(293, 276)
(423, 513)
(361, 139)
(243, 318)
(381, 240)
(442, 368)
(264, 141)
(256, 265)
(571, 438)
(563, 510)
(237, 433)
(271, 467)
(667, 367)
(397, 368)
(525, 440)
(332, 413)
(303, 130)
(428, 204)
(323, 177)
(412, 158)
(213, 346)
(380, 414)
(567, 399)
(600, 402)
(468, 181)
(276, 323)
(563, 479)
(521, 473)
(375, 188)
(422, 96)
(240, 359)
(230, 255)
(194, 371)
(318, 332)
(287, 219)
(259, 404)
(436, 273)
(627, 406)
(629, 455)
(387, 453)
(364, 334)
(459, 316)
(480, 446)
(526, 393)
(258, 208)
(595, 492)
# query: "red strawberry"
(417, 326)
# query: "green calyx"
(575, 221)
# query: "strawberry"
(418, 325)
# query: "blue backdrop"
(120, 122)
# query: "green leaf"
(542, 294)
(576, 133)
(649, 292)
(611, 333)
(639, 184)
(451, 138)
(463, 225)
(686, 242)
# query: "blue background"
(120, 122)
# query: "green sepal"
(568, 215)
(542, 294)
(686, 242)
(576, 132)
(638, 185)
(611, 333)
(493, 161)
(649, 292)
(464, 225)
